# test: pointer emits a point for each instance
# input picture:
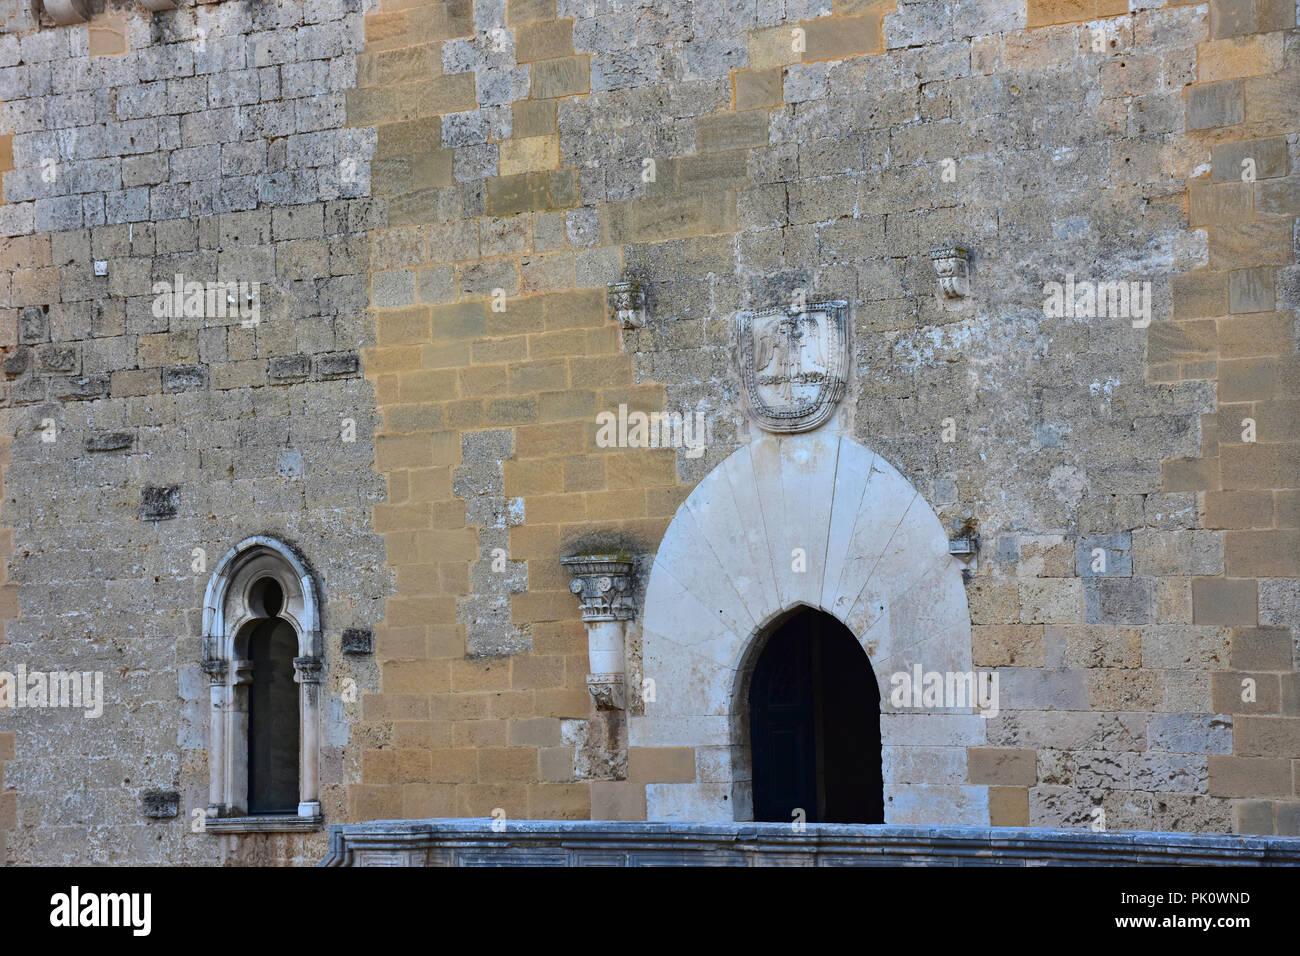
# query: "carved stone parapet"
(603, 583)
(627, 303)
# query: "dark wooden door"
(815, 725)
(783, 727)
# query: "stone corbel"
(603, 585)
(952, 266)
(627, 303)
(63, 12)
(964, 545)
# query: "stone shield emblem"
(793, 364)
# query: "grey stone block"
(1038, 689)
(63, 212)
(1190, 734)
(338, 364)
(17, 362)
(358, 640)
(1215, 104)
(160, 804)
(475, 162)
(288, 464)
(184, 378)
(289, 367)
(1118, 601)
(34, 324)
(79, 388)
(159, 503)
(1115, 559)
(57, 358)
(109, 441)
(393, 288)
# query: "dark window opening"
(273, 719)
(266, 599)
(815, 725)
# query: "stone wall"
(433, 197)
(205, 143)
(695, 147)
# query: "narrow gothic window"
(261, 643)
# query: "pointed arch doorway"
(814, 725)
(809, 520)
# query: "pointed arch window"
(262, 656)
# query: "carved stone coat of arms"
(793, 364)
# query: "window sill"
(271, 823)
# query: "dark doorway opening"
(273, 719)
(815, 725)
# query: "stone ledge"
(263, 824)
(464, 842)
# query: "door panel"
(782, 718)
(815, 725)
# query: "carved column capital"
(603, 584)
(216, 670)
(307, 670)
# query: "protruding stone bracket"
(627, 303)
(603, 583)
(963, 548)
(964, 545)
(62, 12)
(952, 266)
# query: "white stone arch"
(876, 558)
(228, 605)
